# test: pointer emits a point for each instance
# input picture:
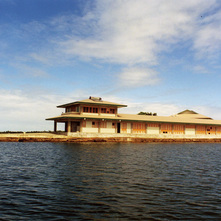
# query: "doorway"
(118, 128)
(75, 126)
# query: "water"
(59, 181)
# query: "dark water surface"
(60, 181)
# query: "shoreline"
(51, 137)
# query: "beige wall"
(95, 114)
(89, 128)
(129, 128)
(190, 131)
(109, 115)
(153, 130)
(109, 128)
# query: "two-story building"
(94, 115)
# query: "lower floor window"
(113, 125)
(94, 124)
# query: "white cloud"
(128, 32)
(201, 69)
(210, 111)
(137, 77)
(21, 111)
(162, 109)
(132, 32)
(30, 70)
(168, 109)
(207, 42)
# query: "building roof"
(184, 117)
(191, 115)
(177, 119)
(93, 101)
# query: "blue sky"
(153, 55)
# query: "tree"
(147, 113)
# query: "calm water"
(58, 181)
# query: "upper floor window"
(112, 111)
(72, 109)
(90, 109)
(108, 110)
(103, 110)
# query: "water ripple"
(58, 181)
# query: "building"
(94, 115)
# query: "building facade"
(94, 115)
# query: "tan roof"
(142, 118)
(93, 102)
(191, 115)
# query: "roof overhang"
(89, 103)
(119, 119)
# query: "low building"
(94, 115)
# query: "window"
(112, 111)
(103, 124)
(103, 110)
(72, 109)
(95, 110)
(90, 109)
(84, 124)
(94, 124)
(108, 110)
(85, 109)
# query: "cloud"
(137, 77)
(20, 111)
(132, 32)
(25, 112)
(168, 109)
(207, 41)
(124, 32)
(162, 109)
(201, 69)
(30, 70)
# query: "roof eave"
(95, 104)
(131, 120)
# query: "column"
(69, 127)
(99, 126)
(81, 125)
(55, 126)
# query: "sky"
(153, 55)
